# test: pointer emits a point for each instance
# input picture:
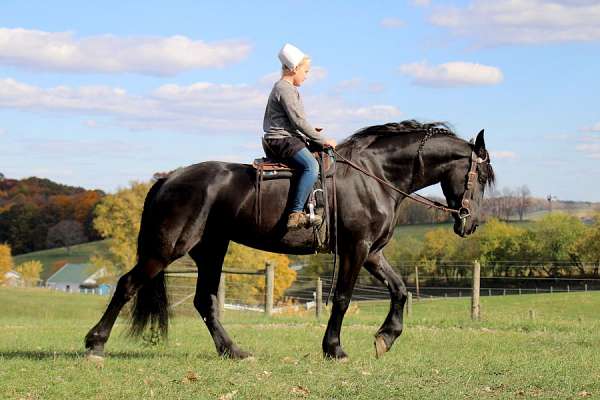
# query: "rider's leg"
(305, 162)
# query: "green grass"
(441, 355)
(80, 253)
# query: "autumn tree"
(117, 217)
(251, 289)
(6, 262)
(66, 234)
(30, 272)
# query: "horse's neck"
(400, 168)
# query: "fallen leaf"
(584, 393)
(190, 377)
(289, 360)
(228, 396)
(300, 391)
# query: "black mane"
(365, 136)
(362, 136)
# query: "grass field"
(441, 355)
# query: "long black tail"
(151, 303)
(151, 308)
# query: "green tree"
(118, 217)
(557, 234)
(587, 247)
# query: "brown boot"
(296, 220)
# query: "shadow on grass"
(121, 355)
(50, 355)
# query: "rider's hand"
(330, 143)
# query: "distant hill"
(53, 258)
(30, 207)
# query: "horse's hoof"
(380, 346)
(94, 358)
(237, 354)
(337, 355)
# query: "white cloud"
(3, 132)
(392, 23)
(421, 3)
(452, 74)
(91, 123)
(522, 22)
(201, 107)
(347, 85)
(503, 155)
(593, 128)
(590, 146)
(592, 150)
(61, 51)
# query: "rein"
(463, 212)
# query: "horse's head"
(464, 185)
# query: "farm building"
(78, 278)
(13, 279)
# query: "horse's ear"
(479, 142)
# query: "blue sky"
(99, 95)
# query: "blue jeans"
(305, 162)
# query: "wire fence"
(423, 280)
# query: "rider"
(287, 131)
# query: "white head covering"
(290, 56)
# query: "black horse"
(199, 209)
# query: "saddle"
(271, 169)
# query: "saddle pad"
(267, 164)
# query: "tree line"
(38, 214)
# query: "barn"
(79, 278)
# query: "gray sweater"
(284, 115)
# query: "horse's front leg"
(392, 327)
(350, 263)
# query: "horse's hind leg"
(392, 327)
(209, 255)
(127, 286)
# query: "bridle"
(465, 205)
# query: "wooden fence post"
(319, 299)
(269, 284)
(221, 295)
(409, 304)
(417, 281)
(585, 287)
(475, 306)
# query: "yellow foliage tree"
(6, 262)
(30, 271)
(118, 217)
(251, 289)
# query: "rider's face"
(301, 73)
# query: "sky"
(99, 94)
